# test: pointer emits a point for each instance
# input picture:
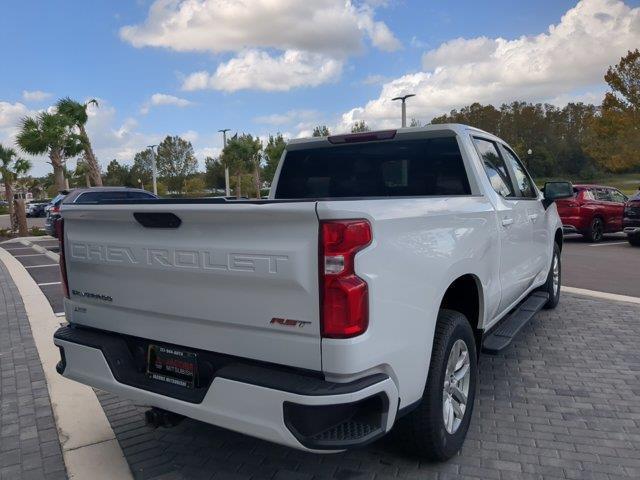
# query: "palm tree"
(11, 168)
(50, 133)
(77, 112)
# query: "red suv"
(593, 211)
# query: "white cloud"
(159, 99)
(34, 95)
(258, 70)
(327, 26)
(570, 56)
(305, 35)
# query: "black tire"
(634, 240)
(595, 233)
(552, 289)
(423, 432)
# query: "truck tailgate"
(240, 279)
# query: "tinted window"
(523, 181)
(95, 197)
(139, 195)
(380, 169)
(494, 167)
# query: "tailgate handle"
(157, 219)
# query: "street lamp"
(227, 190)
(529, 153)
(404, 107)
(153, 168)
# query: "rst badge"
(288, 322)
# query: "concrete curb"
(89, 446)
(602, 295)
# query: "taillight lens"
(59, 225)
(345, 296)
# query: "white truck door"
(540, 253)
(516, 231)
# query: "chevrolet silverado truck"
(354, 300)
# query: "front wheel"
(552, 285)
(634, 240)
(436, 429)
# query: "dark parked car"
(593, 211)
(631, 220)
(88, 196)
(36, 209)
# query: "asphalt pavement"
(612, 266)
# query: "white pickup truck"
(355, 299)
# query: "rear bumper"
(289, 408)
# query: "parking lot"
(562, 402)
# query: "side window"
(588, 195)
(617, 196)
(525, 184)
(602, 194)
(494, 167)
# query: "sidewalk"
(29, 445)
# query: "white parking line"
(48, 283)
(42, 266)
(603, 295)
(605, 244)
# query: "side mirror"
(555, 191)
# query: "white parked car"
(355, 299)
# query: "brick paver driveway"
(562, 402)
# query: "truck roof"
(458, 128)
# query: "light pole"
(404, 107)
(529, 153)
(153, 169)
(227, 190)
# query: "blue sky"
(287, 68)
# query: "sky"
(192, 67)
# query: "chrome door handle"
(507, 221)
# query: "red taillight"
(54, 210)
(345, 296)
(59, 225)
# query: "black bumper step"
(502, 336)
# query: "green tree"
(77, 113)
(242, 155)
(195, 185)
(176, 162)
(11, 168)
(141, 172)
(50, 133)
(117, 174)
(272, 152)
(214, 173)
(360, 126)
(321, 131)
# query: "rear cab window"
(398, 168)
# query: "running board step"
(503, 335)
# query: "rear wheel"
(634, 240)
(596, 230)
(436, 429)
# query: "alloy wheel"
(455, 391)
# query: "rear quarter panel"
(420, 246)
